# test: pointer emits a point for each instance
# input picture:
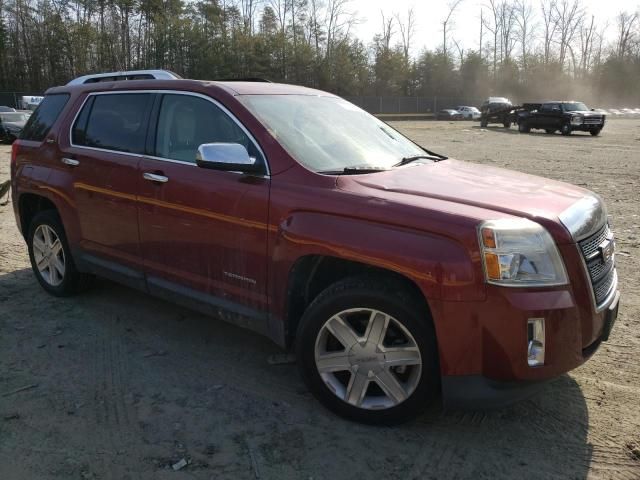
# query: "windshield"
(328, 133)
(575, 107)
(13, 117)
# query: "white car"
(469, 113)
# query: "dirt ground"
(123, 385)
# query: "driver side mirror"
(228, 157)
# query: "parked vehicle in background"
(6, 109)
(496, 110)
(615, 111)
(392, 270)
(469, 113)
(11, 124)
(449, 114)
(30, 102)
(567, 117)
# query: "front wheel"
(367, 350)
(523, 127)
(565, 129)
(595, 132)
(483, 122)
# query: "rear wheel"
(50, 256)
(367, 350)
(565, 129)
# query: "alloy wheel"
(368, 359)
(49, 255)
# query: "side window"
(113, 122)
(546, 107)
(44, 117)
(186, 122)
(78, 135)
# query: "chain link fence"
(408, 105)
(372, 104)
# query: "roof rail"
(245, 79)
(130, 75)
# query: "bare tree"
(447, 23)
(407, 28)
(587, 34)
(625, 23)
(387, 31)
(569, 16)
(492, 24)
(524, 18)
(507, 21)
(550, 27)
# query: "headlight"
(520, 253)
(576, 120)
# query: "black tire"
(523, 127)
(72, 280)
(565, 129)
(506, 124)
(483, 122)
(550, 131)
(394, 300)
(595, 132)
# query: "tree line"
(526, 49)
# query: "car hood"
(490, 188)
(19, 125)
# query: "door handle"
(154, 177)
(70, 161)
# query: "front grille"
(593, 121)
(589, 246)
(601, 273)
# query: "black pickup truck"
(564, 116)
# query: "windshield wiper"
(430, 156)
(355, 170)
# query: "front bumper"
(483, 345)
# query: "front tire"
(50, 256)
(367, 350)
(483, 122)
(523, 127)
(565, 129)
(595, 132)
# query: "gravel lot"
(124, 385)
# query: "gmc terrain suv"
(394, 272)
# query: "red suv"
(394, 272)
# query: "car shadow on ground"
(161, 382)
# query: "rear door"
(107, 141)
(203, 232)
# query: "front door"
(203, 232)
(107, 142)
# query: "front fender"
(441, 267)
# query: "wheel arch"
(29, 205)
(311, 274)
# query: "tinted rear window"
(44, 117)
(113, 122)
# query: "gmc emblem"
(606, 249)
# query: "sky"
(430, 13)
